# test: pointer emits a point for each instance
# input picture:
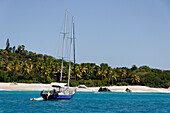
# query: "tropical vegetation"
(20, 65)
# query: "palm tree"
(124, 73)
(40, 56)
(115, 76)
(97, 72)
(135, 79)
(47, 71)
(78, 72)
(104, 73)
(110, 72)
(31, 65)
(90, 70)
(19, 49)
(83, 69)
(36, 66)
(16, 65)
(104, 70)
(58, 68)
(41, 67)
(8, 66)
(53, 66)
(25, 69)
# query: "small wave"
(37, 99)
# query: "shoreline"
(40, 87)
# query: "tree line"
(20, 65)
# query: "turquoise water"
(86, 102)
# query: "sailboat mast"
(74, 55)
(63, 46)
(70, 50)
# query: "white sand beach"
(40, 87)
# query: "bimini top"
(55, 84)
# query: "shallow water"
(18, 102)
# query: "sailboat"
(61, 91)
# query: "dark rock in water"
(103, 89)
(128, 90)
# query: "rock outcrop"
(103, 89)
(128, 90)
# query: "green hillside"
(20, 65)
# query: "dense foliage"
(20, 65)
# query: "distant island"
(20, 65)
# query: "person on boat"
(44, 95)
(42, 92)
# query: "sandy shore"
(40, 87)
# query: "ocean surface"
(86, 102)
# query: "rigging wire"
(67, 40)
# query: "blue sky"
(121, 33)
